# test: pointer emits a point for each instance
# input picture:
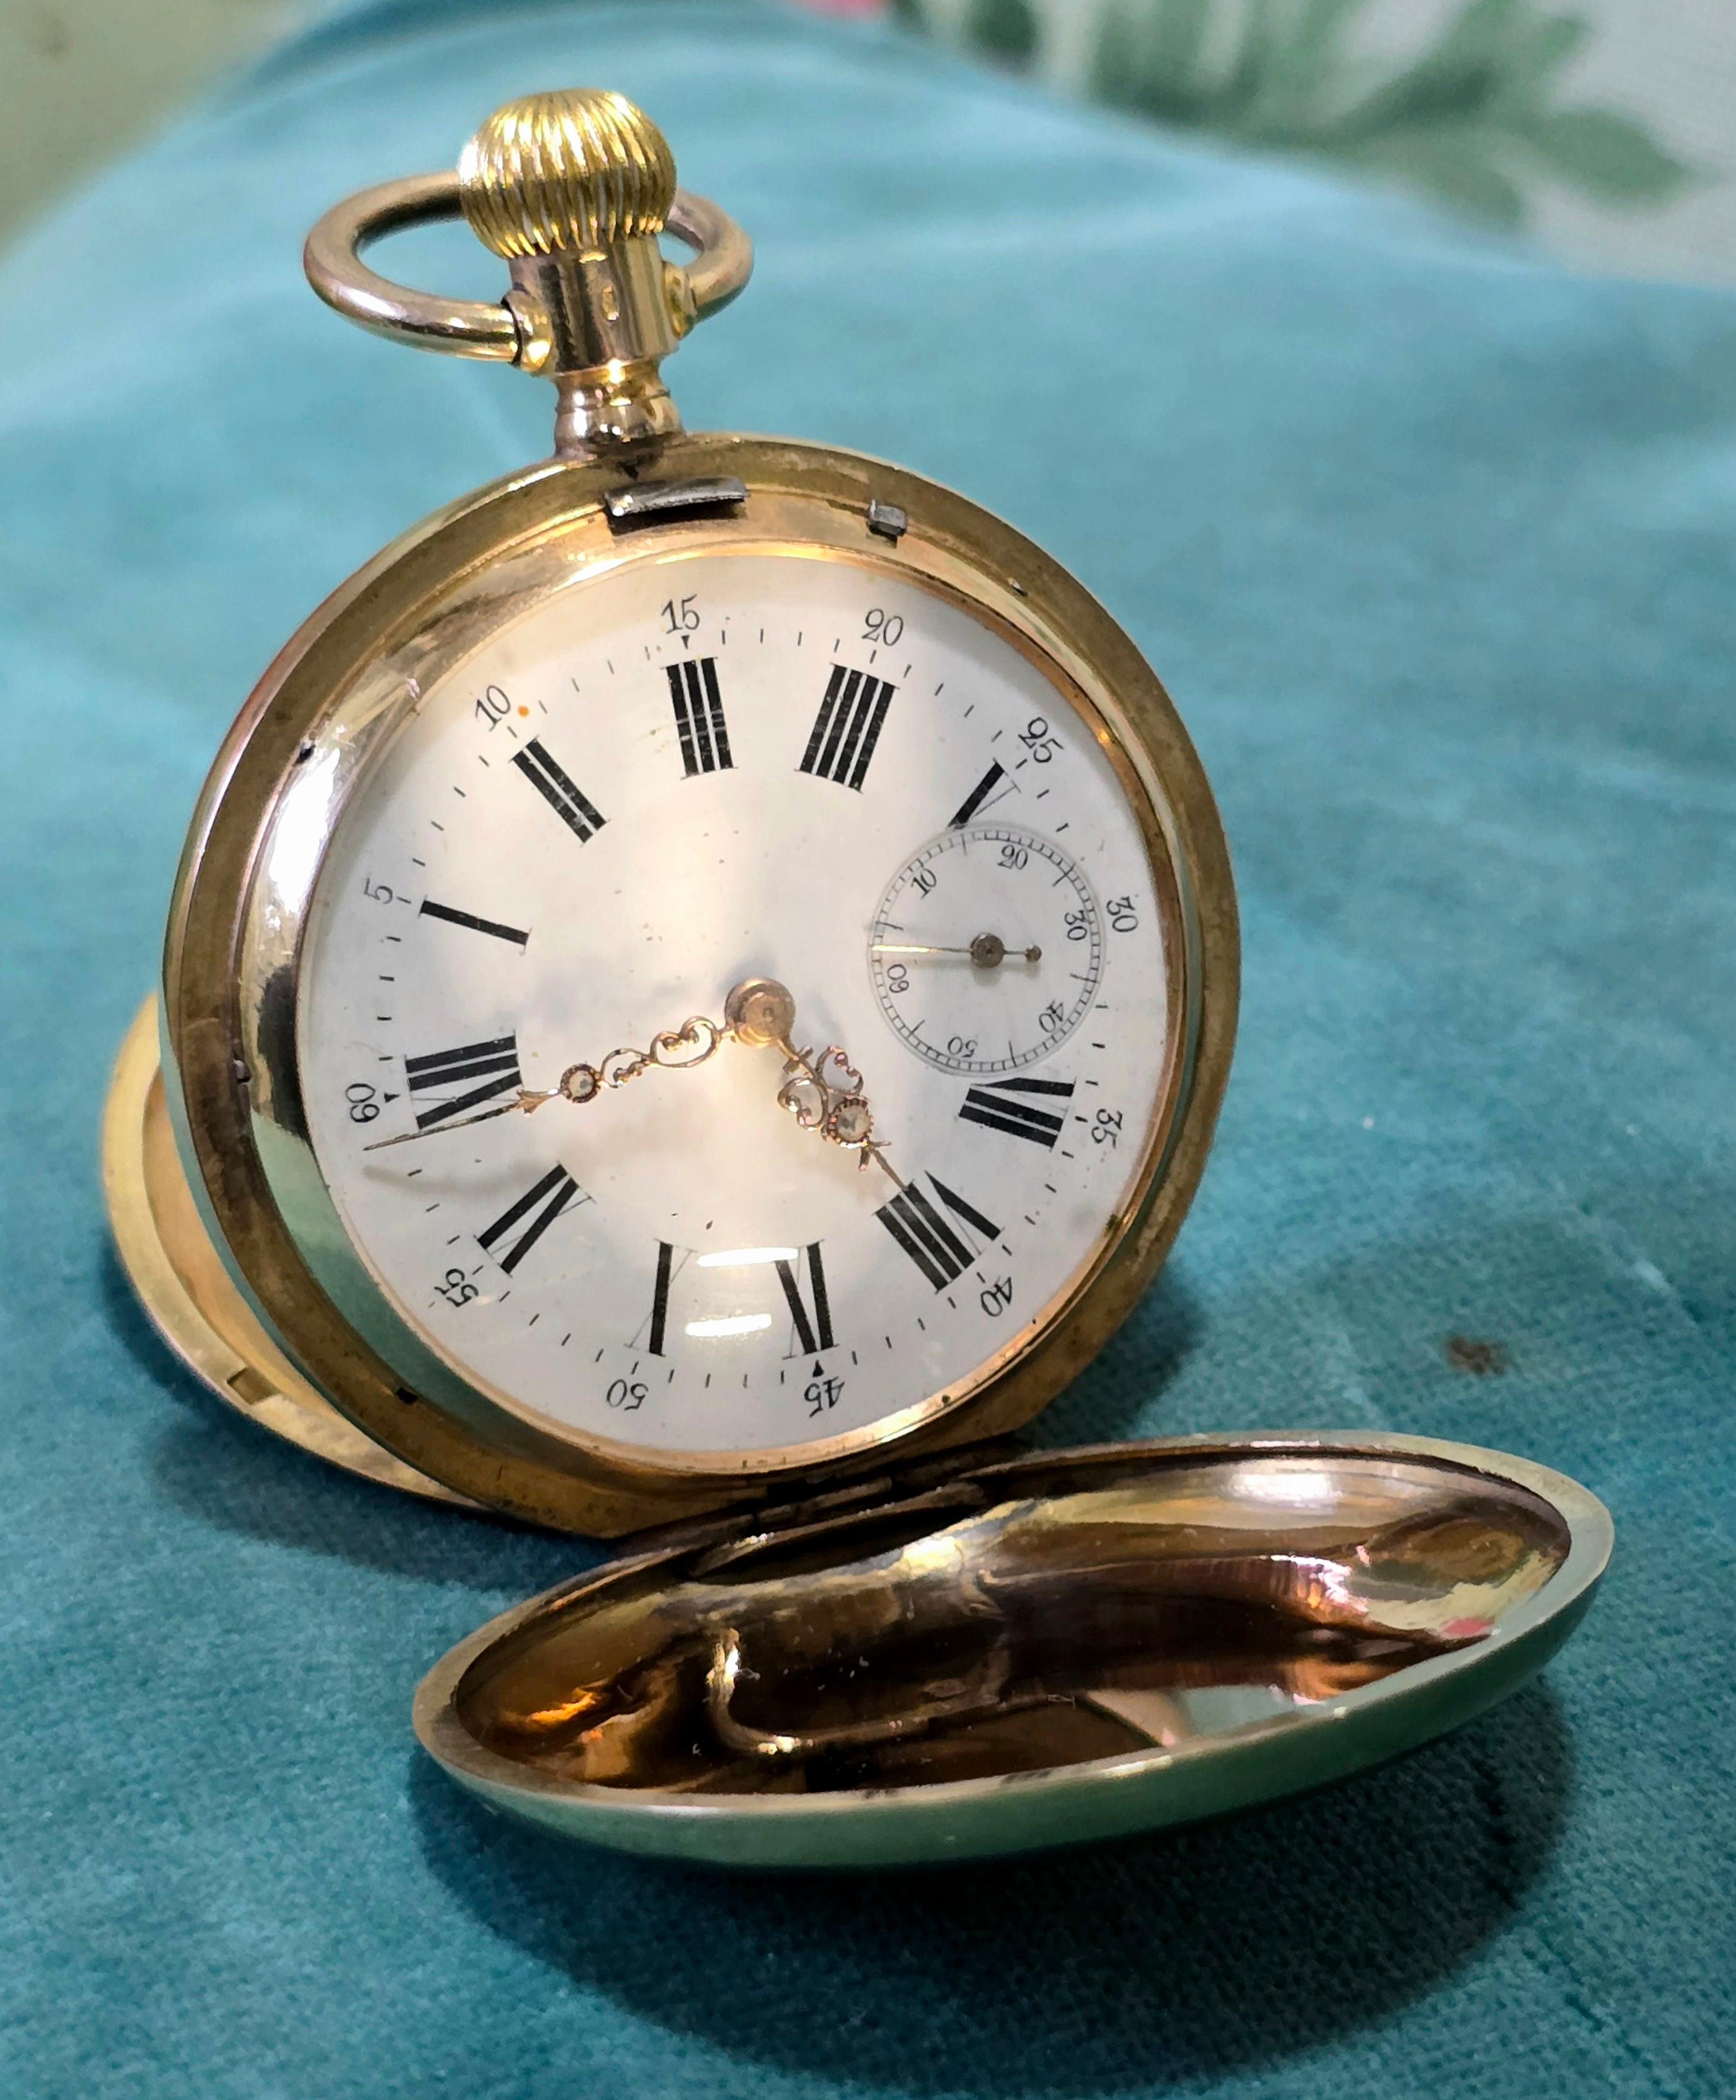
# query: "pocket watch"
(695, 999)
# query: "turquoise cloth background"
(1431, 543)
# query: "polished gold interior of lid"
(1043, 1613)
(193, 1300)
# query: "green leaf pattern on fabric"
(1474, 117)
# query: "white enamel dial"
(660, 783)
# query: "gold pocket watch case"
(876, 848)
(989, 1655)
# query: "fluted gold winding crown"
(575, 169)
(574, 192)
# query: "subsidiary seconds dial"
(986, 951)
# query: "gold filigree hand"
(673, 1050)
(823, 1093)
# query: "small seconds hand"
(988, 951)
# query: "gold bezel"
(331, 701)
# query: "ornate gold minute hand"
(822, 1093)
(673, 1050)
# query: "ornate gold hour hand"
(823, 1093)
(988, 951)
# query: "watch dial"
(967, 1006)
(656, 786)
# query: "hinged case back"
(1001, 1653)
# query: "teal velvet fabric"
(1432, 542)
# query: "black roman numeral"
(454, 917)
(847, 727)
(495, 1066)
(535, 1211)
(927, 1237)
(698, 716)
(815, 1334)
(578, 815)
(979, 795)
(995, 1107)
(659, 1302)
